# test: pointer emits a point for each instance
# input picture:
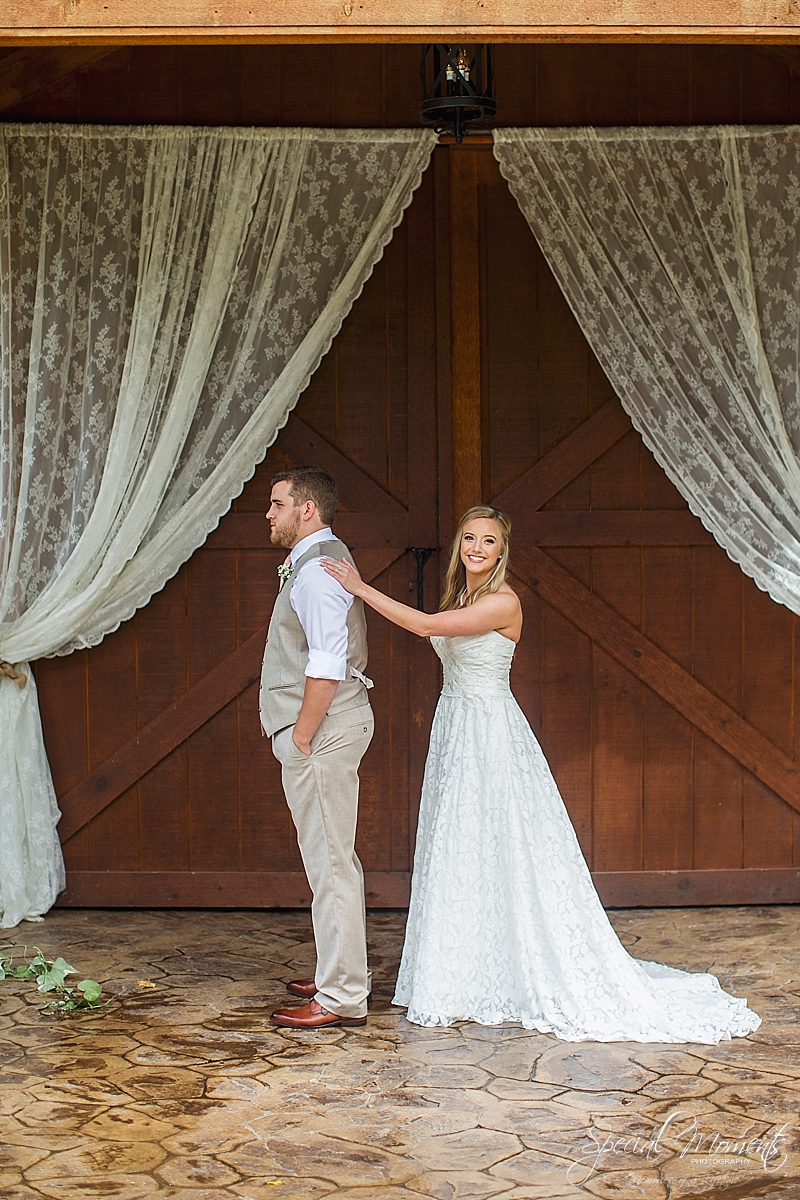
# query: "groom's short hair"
(312, 483)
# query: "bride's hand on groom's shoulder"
(346, 575)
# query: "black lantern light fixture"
(457, 89)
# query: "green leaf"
(52, 975)
(91, 990)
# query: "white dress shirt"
(322, 605)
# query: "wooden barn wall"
(663, 812)
(378, 86)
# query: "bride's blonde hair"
(455, 581)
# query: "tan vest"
(283, 677)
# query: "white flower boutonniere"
(285, 572)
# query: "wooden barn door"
(661, 681)
(169, 793)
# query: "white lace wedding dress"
(505, 923)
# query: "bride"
(504, 922)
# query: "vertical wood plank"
(716, 84)
(214, 828)
(618, 723)
(267, 841)
(618, 702)
(358, 91)
(717, 664)
(767, 704)
(113, 683)
(379, 788)
(664, 85)
(62, 687)
(257, 79)
(423, 459)
(306, 83)
(566, 707)
(362, 355)
(516, 83)
(465, 368)
(400, 85)
(164, 791)
(613, 86)
(397, 302)
(399, 578)
(667, 744)
(766, 83)
(563, 364)
(442, 160)
(514, 264)
(563, 74)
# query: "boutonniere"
(285, 572)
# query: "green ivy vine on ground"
(50, 976)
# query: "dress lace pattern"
(505, 923)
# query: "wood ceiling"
(116, 22)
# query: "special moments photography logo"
(680, 1134)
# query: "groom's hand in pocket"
(317, 699)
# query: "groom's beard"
(285, 534)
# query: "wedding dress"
(505, 923)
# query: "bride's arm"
(496, 611)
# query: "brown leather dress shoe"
(312, 1016)
(306, 988)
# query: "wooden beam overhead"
(116, 22)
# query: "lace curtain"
(165, 296)
(679, 253)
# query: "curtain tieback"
(19, 679)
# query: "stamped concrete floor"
(185, 1089)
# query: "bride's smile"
(481, 547)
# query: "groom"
(314, 706)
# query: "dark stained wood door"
(169, 792)
(661, 681)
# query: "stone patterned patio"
(185, 1089)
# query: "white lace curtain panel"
(678, 251)
(165, 296)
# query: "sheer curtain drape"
(165, 296)
(679, 253)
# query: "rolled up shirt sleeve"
(322, 605)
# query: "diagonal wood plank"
(23, 73)
(182, 718)
(647, 662)
(249, 531)
(358, 491)
(628, 527)
(566, 461)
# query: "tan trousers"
(322, 794)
